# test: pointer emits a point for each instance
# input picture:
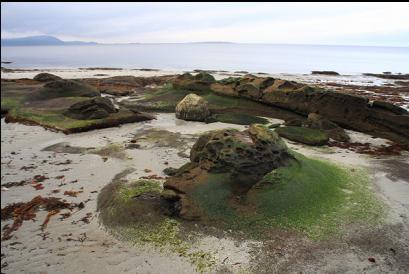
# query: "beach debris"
(72, 193)
(47, 219)
(59, 177)
(38, 186)
(21, 212)
(147, 170)
(152, 177)
(391, 148)
(66, 162)
(28, 167)
(85, 219)
(372, 259)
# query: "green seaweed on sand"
(111, 150)
(131, 220)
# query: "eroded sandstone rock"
(229, 160)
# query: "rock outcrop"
(199, 83)
(349, 111)
(46, 77)
(192, 108)
(325, 72)
(229, 160)
(125, 85)
(95, 108)
(66, 88)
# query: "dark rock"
(46, 77)
(324, 72)
(170, 171)
(95, 108)
(389, 107)
(398, 76)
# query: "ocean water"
(214, 56)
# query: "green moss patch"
(304, 135)
(138, 188)
(315, 197)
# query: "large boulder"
(46, 77)
(95, 108)
(224, 162)
(66, 88)
(192, 108)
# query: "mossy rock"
(46, 77)
(95, 108)
(205, 77)
(233, 160)
(66, 88)
(239, 119)
(309, 136)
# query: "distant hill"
(42, 40)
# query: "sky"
(373, 24)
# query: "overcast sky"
(382, 24)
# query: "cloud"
(314, 23)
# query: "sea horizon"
(267, 58)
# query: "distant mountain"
(42, 40)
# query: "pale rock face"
(192, 108)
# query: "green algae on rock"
(294, 192)
(309, 136)
(66, 88)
